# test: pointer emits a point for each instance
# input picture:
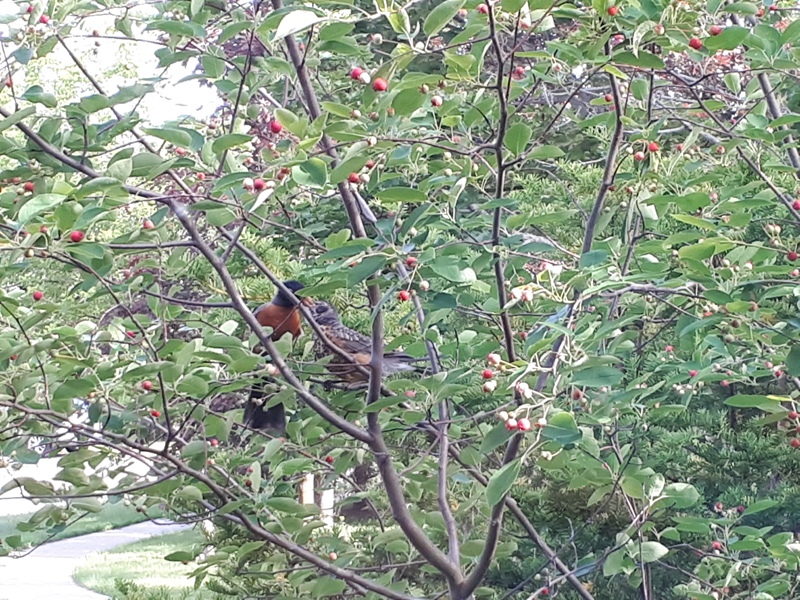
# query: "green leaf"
(214, 67)
(229, 141)
(454, 272)
(91, 505)
(597, 377)
(440, 16)
(195, 6)
(501, 481)
(545, 152)
(759, 506)
(748, 401)
(36, 94)
(730, 38)
(517, 138)
(495, 438)
(645, 59)
(407, 101)
(364, 269)
(312, 173)
(682, 495)
(39, 204)
(592, 258)
(696, 221)
(742, 8)
(295, 22)
(401, 194)
(561, 427)
(180, 556)
(651, 551)
(793, 361)
(193, 386)
(17, 117)
(74, 388)
(172, 135)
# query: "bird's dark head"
(324, 313)
(282, 299)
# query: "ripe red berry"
(30, 9)
(76, 236)
(692, 373)
(719, 506)
(792, 414)
(613, 10)
(131, 333)
(715, 30)
(155, 413)
(740, 509)
(329, 459)
(638, 156)
(487, 374)
(717, 546)
(356, 72)
(668, 348)
(511, 424)
(545, 591)
(608, 98)
(44, 19)
(725, 383)
(38, 296)
(380, 84)
(370, 164)
(259, 184)
(201, 176)
(29, 186)
(411, 261)
(695, 44)
(483, 9)
(524, 424)
(436, 101)
(14, 356)
(148, 224)
(404, 295)
(353, 178)
(577, 394)
(653, 147)
(180, 151)
(791, 255)
(248, 483)
(796, 205)
(773, 7)
(275, 126)
(147, 385)
(795, 443)
(214, 442)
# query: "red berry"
(248, 483)
(411, 261)
(148, 224)
(147, 385)
(259, 184)
(740, 509)
(679, 147)
(437, 101)
(329, 459)
(9, 82)
(404, 295)
(796, 205)
(545, 591)
(613, 10)
(380, 84)
(38, 296)
(725, 383)
(180, 151)
(353, 178)
(487, 374)
(411, 394)
(44, 19)
(717, 546)
(131, 333)
(577, 394)
(795, 443)
(793, 414)
(638, 156)
(608, 98)
(155, 413)
(719, 506)
(773, 7)
(523, 335)
(512, 424)
(30, 8)
(695, 44)
(483, 9)
(370, 164)
(76, 236)
(275, 126)
(668, 348)
(692, 373)
(715, 30)
(201, 176)
(777, 373)
(29, 186)
(760, 12)
(524, 424)
(356, 72)
(653, 147)
(43, 229)
(791, 255)
(14, 356)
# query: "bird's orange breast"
(282, 319)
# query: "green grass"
(112, 516)
(138, 571)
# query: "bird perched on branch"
(282, 316)
(356, 344)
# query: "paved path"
(47, 571)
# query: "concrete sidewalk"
(47, 571)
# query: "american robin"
(282, 316)
(356, 344)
